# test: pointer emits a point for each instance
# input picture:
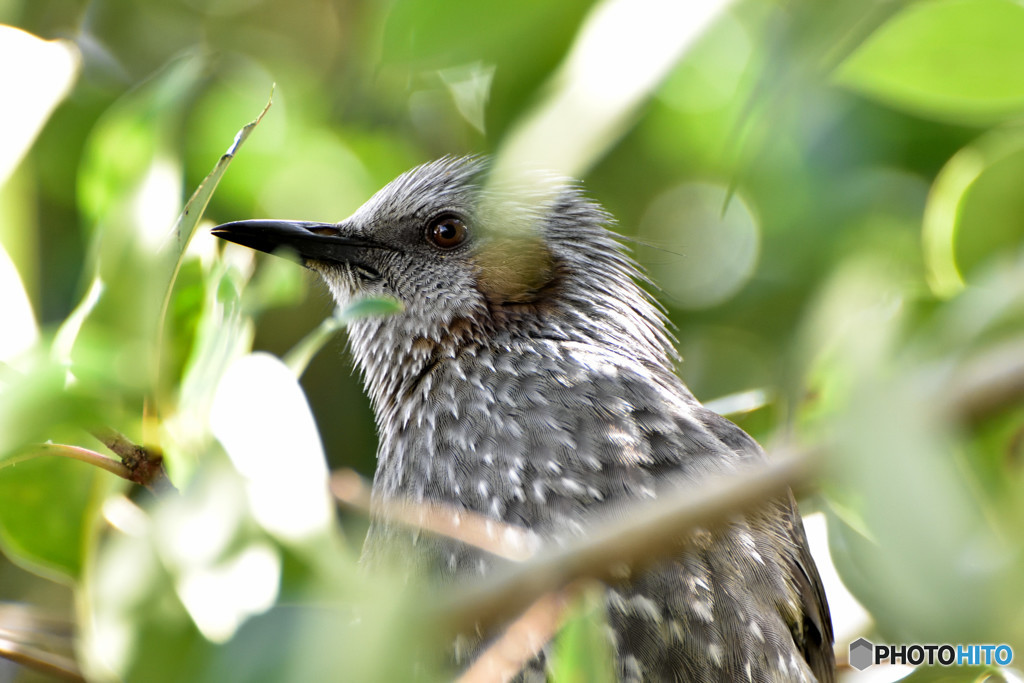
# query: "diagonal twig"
(144, 465)
(988, 383)
(505, 658)
(613, 552)
(38, 639)
(40, 660)
(498, 538)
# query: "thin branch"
(498, 538)
(40, 660)
(142, 465)
(145, 465)
(613, 552)
(505, 658)
(988, 383)
(75, 453)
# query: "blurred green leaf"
(164, 604)
(425, 37)
(370, 306)
(957, 60)
(38, 403)
(582, 652)
(141, 126)
(973, 210)
(224, 332)
(921, 526)
(49, 508)
(37, 91)
(129, 187)
(185, 227)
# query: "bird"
(531, 378)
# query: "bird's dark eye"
(447, 232)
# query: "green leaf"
(36, 404)
(133, 133)
(953, 60)
(224, 332)
(173, 597)
(912, 522)
(416, 43)
(974, 209)
(55, 65)
(185, 227)
(582, 652)
(129, 189)
(48, 509)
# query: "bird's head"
(462, 251)
(425, 240)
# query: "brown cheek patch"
(513, 269)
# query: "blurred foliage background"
(828, 194)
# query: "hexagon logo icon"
(862, 653)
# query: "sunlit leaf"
(224, 333)
(956, 60)
(20, 330)
(974, 209)
(137, 627)
(130, 186)
(167, 601)
(599, 87)
(262, 418)
(36, 90)
(185, 227)
(48, 508)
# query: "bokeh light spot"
(699, 255)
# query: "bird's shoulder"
(554, 419)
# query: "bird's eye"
(447, 232)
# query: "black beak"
(311, 241)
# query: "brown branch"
(988, 383)
(142, 465)
(45, 662)
(145, 466)
(498, 538)
(38, 639)
(505, 658)
(77, 453)
(613, 552)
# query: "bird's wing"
(646, 432)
